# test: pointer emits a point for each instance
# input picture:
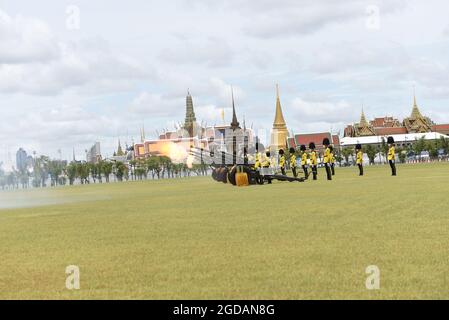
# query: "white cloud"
(446, 31)
(25, 40)
(211, 52)
(33, 61)
(320, 111)
(60, 88)
(156, 105)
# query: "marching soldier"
(392, 155)
(304, 160)
(293, 161)
(313, 160)
(359, 158)
(331, 148)
(327, 158)
(282, 161)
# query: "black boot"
(294, 172)
(328, 171)
(393, 167)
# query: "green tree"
(93, 170)
(339, 158)
(402, 154)
(347, 152)
(83, 171)
(383, 149)
(12, 180)
(41, 171)
(419, 146)
(371, 152)
(106, 168)
(24, 178)
(166, 164)
(432, 148)
(121, 171)
(55, 169)
(444, 144)
(71, 172)
(133, 165)
(154, 166)
(2, 177)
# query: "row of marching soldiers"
(309, 159)
(391, 156)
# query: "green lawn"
(199, 239)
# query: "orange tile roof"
(390, 130)
(317, 138)
(440, 127)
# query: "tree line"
(415, 148)
(46, 172)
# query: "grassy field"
(198, 239)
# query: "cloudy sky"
(72, 73)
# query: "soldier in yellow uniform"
(282, 161)
(304, 163)
(327, 158)
(257, 161)
(293, 161)
(313, 160)
(266, 163)
(331, 148)
(359, 158)
(391, 155)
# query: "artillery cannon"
(225, 167)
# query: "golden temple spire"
(415, 111)
(279, 134)
(279, 121)
(363, 122)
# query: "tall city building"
(21, 160)
(279, 133)
(94, 153)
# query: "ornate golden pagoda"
(417, 123)
(364, 128)
(279, 134)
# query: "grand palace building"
(415, 123)
(405, 132)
